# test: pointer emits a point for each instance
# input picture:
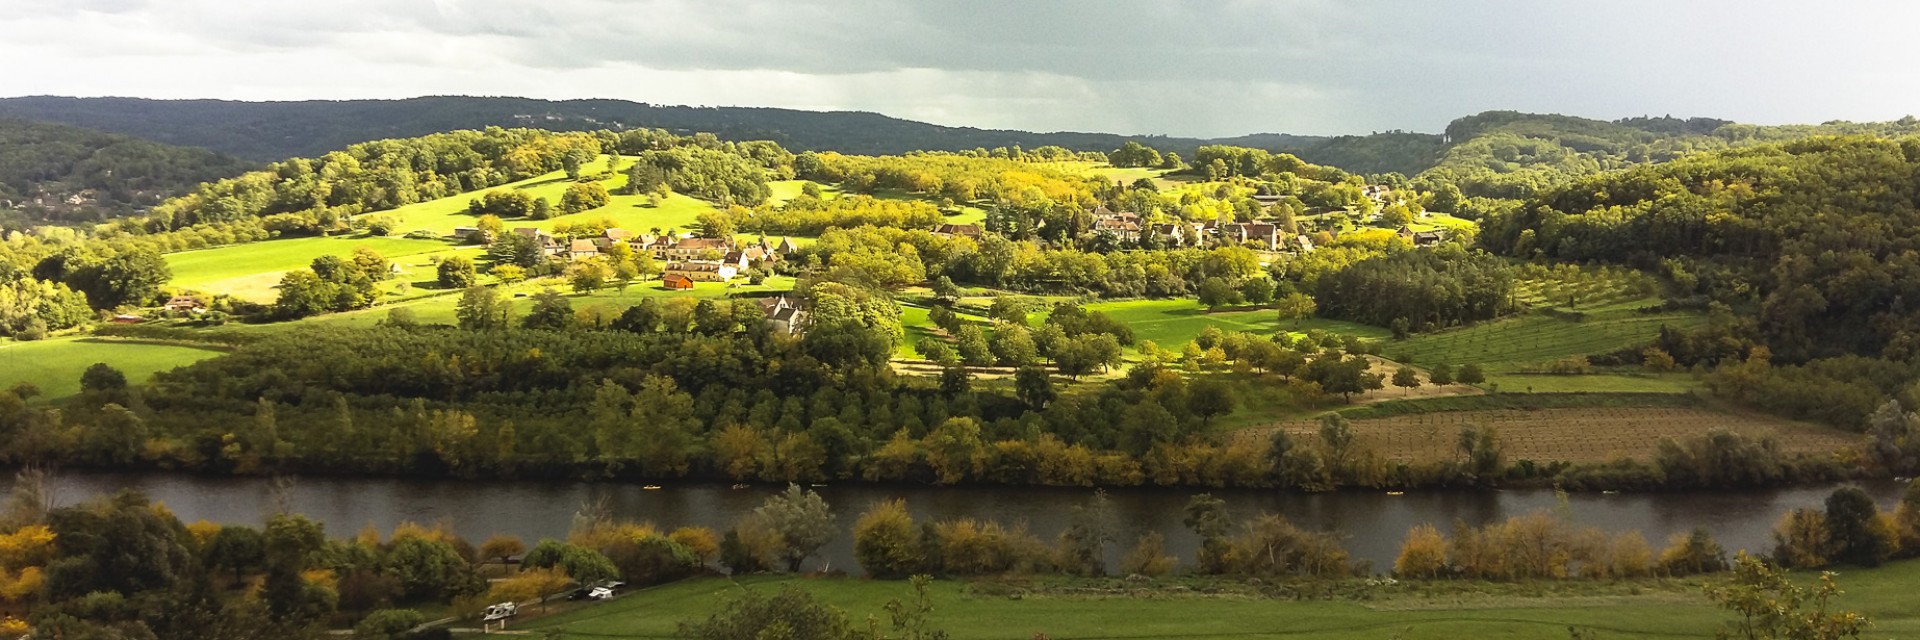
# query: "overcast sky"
(1203, 68)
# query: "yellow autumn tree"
(22, 554)
(1423, 555)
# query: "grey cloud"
(1175, 66)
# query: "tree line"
(44, 164)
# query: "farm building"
(1423, 238)
(185, 304)
(784, 315)
(1266, 234)
(582, 249)
(703, 270)
(692, 248)
(676, 281)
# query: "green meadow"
(250, 271)
(631, 211)
(1410, 611)
(1172, 322)
(55, 365)
(1537, 338)
(784, 191)
(439, 309)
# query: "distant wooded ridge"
(270, 131)
(1496, 143)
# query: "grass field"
(250, 271)
(439, 309)
(1576, 434)
(1410, 611)
(1601, 381)
(630, 211)
(785, 190)
(55, 365)
(917, 327)
(1170, 323)
(1505, 346)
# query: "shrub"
(1692, 554)
(1423, 555)
(651, 559)
(1148, 557)
(388, 624)
(886, 542)
(1802, 539)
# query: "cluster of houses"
(688, 259)
(1128, 227)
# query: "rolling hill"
(267, 131)
(57, 173)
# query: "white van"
(500, 611)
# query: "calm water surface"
(1373, 523)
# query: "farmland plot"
(1596, 434)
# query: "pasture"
(786, 190)
(55, 365)
(1172, 322)
(916, 326)
(1509, 344)
(1410, 610)
(439, 309)
(630, 211)
(1571, 434)
(250, 271)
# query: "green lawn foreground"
(55, 365)
(1457, 611)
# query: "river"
(1373, 523)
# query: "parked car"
(500, 611)
(600, 593)
(581, 593)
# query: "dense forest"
(1809, 245)
(1506, 154)
(64, 175)
(1419, 290)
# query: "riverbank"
(1409, 610)
(1373, 524)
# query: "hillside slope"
(56, 173)
(1507, 154)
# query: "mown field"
(1172, 322)
(55, 365)
(1649, 609)
(252, 271)
(631, 211)
(786, 190)
(1169, 323)
(1513, 351)
(1570, 434)
(439, 309)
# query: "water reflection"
(1373, 523)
